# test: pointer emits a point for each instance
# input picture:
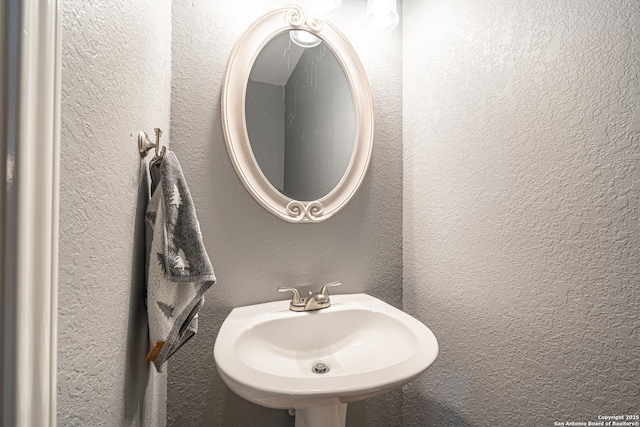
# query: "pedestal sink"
(317, 362)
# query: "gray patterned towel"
(179, 270)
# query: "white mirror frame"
(234, 90)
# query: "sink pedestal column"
(322, 416)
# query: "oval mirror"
(300, 116)
(297, 115)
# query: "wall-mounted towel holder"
(144, 144)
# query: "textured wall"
(252, 251)
(115, 81)
(521, 203)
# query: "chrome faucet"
(314, 301)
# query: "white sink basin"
(265, 353)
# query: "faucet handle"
(325, 289)
(295, 299)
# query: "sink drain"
(320, 368)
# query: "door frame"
(30, 37)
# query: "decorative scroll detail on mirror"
(296, 18)
(312, 211)
(234, 119)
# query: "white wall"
(116, 76)
(521, 200)
(253, 252)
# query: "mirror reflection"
(300, 116)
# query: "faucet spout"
(312, 302)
